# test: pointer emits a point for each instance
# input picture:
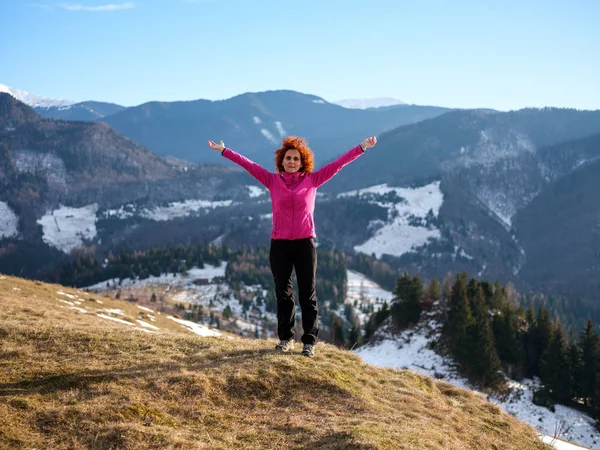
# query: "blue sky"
(497, 54)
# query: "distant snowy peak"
(34, 100)
(369, 102)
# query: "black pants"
(301, 255)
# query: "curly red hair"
(295, 143)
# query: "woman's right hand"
(215, 146)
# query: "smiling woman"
(294, 156)
(293, 190)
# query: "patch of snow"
(145, 309)
(144, 330)
(78, 309)
(66, 301)
(104, 316)
(482, 270)
(320, 101)
(411, 351)
(66, 228)
(464, 254)
(39, 163)
(280, 129)
(119, 312)
(498, 203)
(9, 222)
(147, 325)
(208, 272)
(255, 191)
(396, 236)
(199, 329)
(369, 103)
(266, 133)
(560, 444)
(364, 291)
(66, 295)
(181, 209)
(124, 212)
(34, 100)
(218, 240)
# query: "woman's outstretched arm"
(326, 173)
(254, 169)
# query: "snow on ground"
(119, 312)
(560, 444)
(9, 221)
(255, 191)
(145, 309)
(212, 295)
(199, 329)
(35, 100)
(280, 129)
(364, 291)
(66, 228)
(163, 213)
(147, 325)
(266, 133)
(181, 209)
(104, 316)
(410, 351)
(364, 103)
(208, 272)
(397, 236)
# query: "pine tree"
(459, 313)
(406, 305)
(528, 342)
(542, 333)
(227, 313)
(499, 297)
(488, 292)
(555, 370)
(472, 290)
(434, 290)
(576, 365)
(480, 356)
(508, 342)
(337, 331)
(589, 345)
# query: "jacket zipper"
(293, 206)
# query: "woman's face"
(292, 161)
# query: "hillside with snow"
(411, 350)
(35, 100)
(357, 103)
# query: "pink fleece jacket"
(293, 194)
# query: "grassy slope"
(74, 380)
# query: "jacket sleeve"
(254, 169)
(326, 173)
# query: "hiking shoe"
(308, 350)
(285, 346)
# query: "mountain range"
(505, 195)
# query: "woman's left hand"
(369, 142)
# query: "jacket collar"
(291, 176)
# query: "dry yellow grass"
(70, 380)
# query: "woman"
(293, 190)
